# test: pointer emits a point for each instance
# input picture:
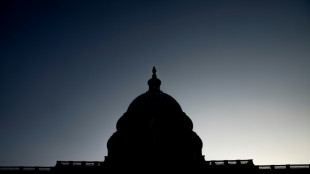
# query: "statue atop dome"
(154, 71)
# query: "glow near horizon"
(239, 70)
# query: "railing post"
(58, 163)
(250, 162)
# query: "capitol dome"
(154, 126)
(154, 105)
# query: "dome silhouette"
(155, 129)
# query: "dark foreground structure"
(155, 136)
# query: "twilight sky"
(239, 70)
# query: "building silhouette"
(154, 135)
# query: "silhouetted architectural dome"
(154, 105)
(154, 127)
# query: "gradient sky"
(239, 70)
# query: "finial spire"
(154, 71)
(154, 82)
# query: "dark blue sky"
(239, 69)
